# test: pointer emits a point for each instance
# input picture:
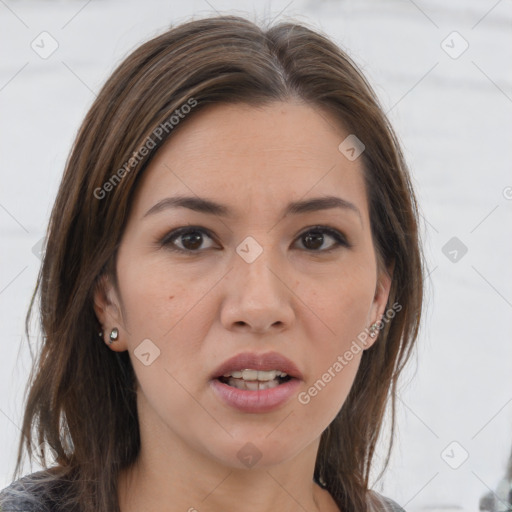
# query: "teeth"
(256, 375)
(252, 385)
(254, 380)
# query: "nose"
(258, 298)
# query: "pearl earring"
(373, 330)
(114, 334)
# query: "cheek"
(335, 358)
(326, 393)
(339, 315)
(158, 298)
(170, 308)
(340, 307)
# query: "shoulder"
(379, 503)
(30, 493)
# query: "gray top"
(31, 493)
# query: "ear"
(108, 311)
(380, 299)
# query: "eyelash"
(167, 240)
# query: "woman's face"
(267, 271)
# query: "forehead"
(254, 157)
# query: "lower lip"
(255, 401)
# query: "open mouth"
(254, 380)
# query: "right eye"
(190, 238)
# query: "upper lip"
(254, 361)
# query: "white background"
(454, 118)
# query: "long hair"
(80, 397)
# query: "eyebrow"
(203, 205)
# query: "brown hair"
(81, 399)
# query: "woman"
(231, 286)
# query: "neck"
(177, 479)
(200, 492)
(171, 475)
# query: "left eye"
(191, 239)
(314, 238)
